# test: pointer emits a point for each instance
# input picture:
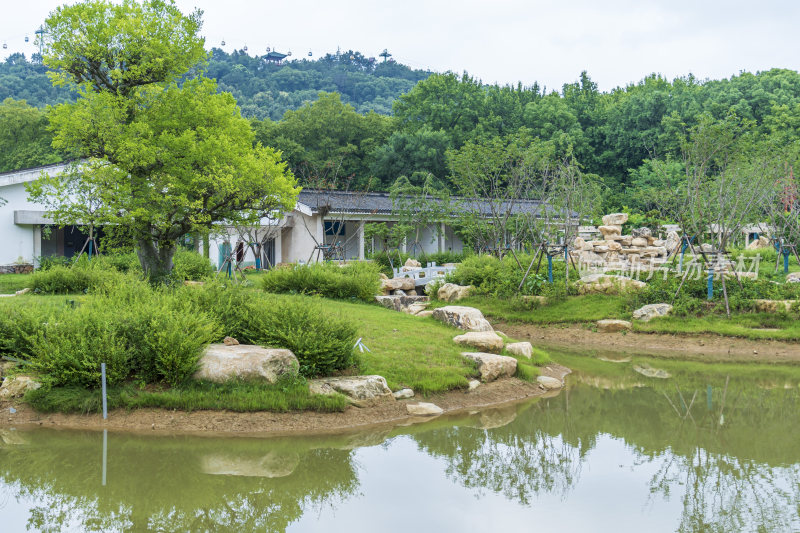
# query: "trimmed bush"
(492, 276)
(83, 276)
(355, 280)
(322, 343)
(191, 265)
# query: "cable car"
(5, 46)
(310, 54)
(245, 48)
(27, 39)
(289, 53)
(269, 49)
(222, 43)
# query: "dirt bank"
(381, 412)
(690, 347)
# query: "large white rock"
(405, 304)
(610, 230)
(615, 219)
(403, 394)
(17, 386)
(608, 284)
(492, 366)
(423, 409)
(242, 361)
(761, 242)
(450, 292)
(650, 311)
(467, 318)
(404, 284)
(549, 383)
(793, 277)
(639, 242)
(520, 349)
(672, 241)
(613, 326)
(412, 263)
(485, 341)
(773, 306)
(356, 387)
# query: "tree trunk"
(156, 259)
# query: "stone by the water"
(423, 409)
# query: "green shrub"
(124, 262)
(355, 280)
(46, 262)
(140, 333)
(83, 276)
(191, 265)
(322, 343)
(492, 276)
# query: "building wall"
(16, 241)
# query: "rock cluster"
(398, 286)
(651, 311)
(622, 252)
(17, 386)
(450, 292)
(411, 305)
(355, 387)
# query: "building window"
(334, 227)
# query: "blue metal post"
(90, 249)
(103, 381)
(258, 263)
(549, 268)
(785, 261)
(710, 283)
(683, 252)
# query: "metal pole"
(785, 260)
(550, 269)
(710, 282)
(103, 380)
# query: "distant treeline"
(348, 115)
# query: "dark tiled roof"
(380, 203)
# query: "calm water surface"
(615, 452)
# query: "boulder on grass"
(793, 277)
(773, 306)
(608, 284)
(520, 349)
(492, 366)
(412, 263)
(403, 284)
(450, 292)
(650, 311)
(761, 242)
(221, 363)
(355, 387)
(17, 386)
(405, 304)
(613, 326)
(485, 341)
(467, 318)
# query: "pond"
(615, 451)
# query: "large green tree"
(24, 138)
(165, 159)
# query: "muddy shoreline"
(704, 347)
(384, 412)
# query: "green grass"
(408, 351)
(743, 325)
(11, 283)
(576, 309)
(286, 395)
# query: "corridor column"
(361, 240)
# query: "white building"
(322, 224)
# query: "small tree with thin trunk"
(729, 177)
(419, 208)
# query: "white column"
(360, 240)
(278, 246)
(442, 237)
(37, 244)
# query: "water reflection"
(724, 459)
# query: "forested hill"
(262, 89)
(319, 114)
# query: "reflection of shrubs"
(355, 280)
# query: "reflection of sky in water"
(402, 489)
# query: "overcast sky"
(503, 41)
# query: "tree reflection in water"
(730, 457)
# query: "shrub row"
(153, 335)
(355, 280)
(492, 276)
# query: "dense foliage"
(156, 335)
(357, 280)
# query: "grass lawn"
(411, 351)
(11, 283)
(746, 325)
(576, 309)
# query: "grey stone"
(17, 386)
(549, 383)
(355, 387)
(613, 326)
(221, 363)
(467, 318)
(650, 311)
(485, 341)
(492, 366)
(521, 349)
(423, 409)
(403, 394)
